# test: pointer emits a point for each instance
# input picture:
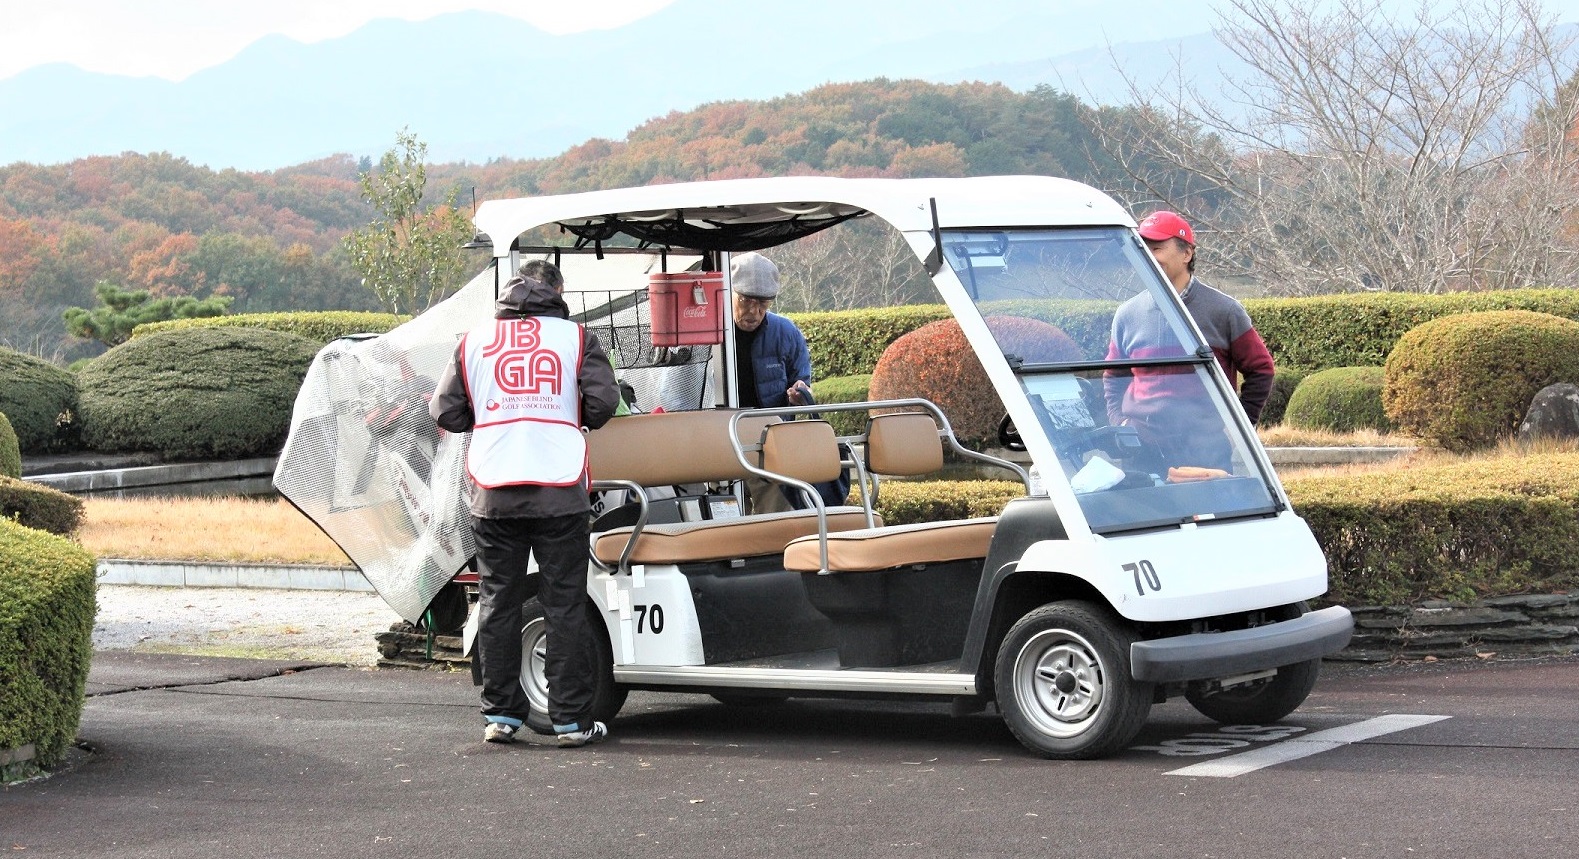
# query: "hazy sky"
(174, 38)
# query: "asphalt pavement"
(192, 756)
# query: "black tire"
(607, 696)
(1262, 703)
(1063, 682)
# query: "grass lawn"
(204, 529)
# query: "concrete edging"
(1284, 456)
(150, 477)
(174, 574)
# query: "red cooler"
(687, 308)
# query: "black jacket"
(451, 407)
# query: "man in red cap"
(1234, 340)
(1223, 320)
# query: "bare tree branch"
(1363, 150)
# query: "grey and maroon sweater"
(1140, 331)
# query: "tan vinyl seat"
(894, 547)
(694, 447)
(723, 539)
(900, 443)
(670, 448)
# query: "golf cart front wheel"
(1262, 703)
(1063, 682)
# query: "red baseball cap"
(1159, 226)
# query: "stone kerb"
(1528, 625)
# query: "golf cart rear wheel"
(1063, 682)
(1261, 703)
(607, 696)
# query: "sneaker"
(499, 732)
(574, 739)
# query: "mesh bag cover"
(366, 463)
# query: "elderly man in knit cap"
(773, 366)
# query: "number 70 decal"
(1145, 577)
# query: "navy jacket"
(778, 359)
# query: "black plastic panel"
(754, 610)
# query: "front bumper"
(1218, 654)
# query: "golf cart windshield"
(1118, 380)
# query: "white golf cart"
(1121, 577)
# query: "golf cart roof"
(750, 214)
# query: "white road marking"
(1304, 746)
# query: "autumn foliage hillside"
(270, 240)
(874, 128)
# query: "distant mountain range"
(476, 85)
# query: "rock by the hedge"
(1554, 413)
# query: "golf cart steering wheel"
(1008, 436)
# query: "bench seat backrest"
(670, 448)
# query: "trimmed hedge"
(1342, 399)
(844, 389)
(39, 506)
(849, 342)
(40, 400)
(1465, 381)
(1284, 382)
(10, 451)
(1353, 330)
(1360, 330)
(936, 362)
(1455, 532)
(46, 640)
(217, 393)
(1088, 324)
(903, 502)
(320, 325)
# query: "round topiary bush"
(935, 361)
(41, 401)
(320, 325)
(1464, 381)
(38, 506)
(1342, 399)
(10, 451)
(203, 393)
(844, 389)
(1284, 384)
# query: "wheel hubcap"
(1066, 682)
(534, 659)
(1059, 682)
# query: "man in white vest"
(524, 385)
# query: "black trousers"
(560, 544)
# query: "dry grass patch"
(1506, 454)
(232, 530)
(1287, 436)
